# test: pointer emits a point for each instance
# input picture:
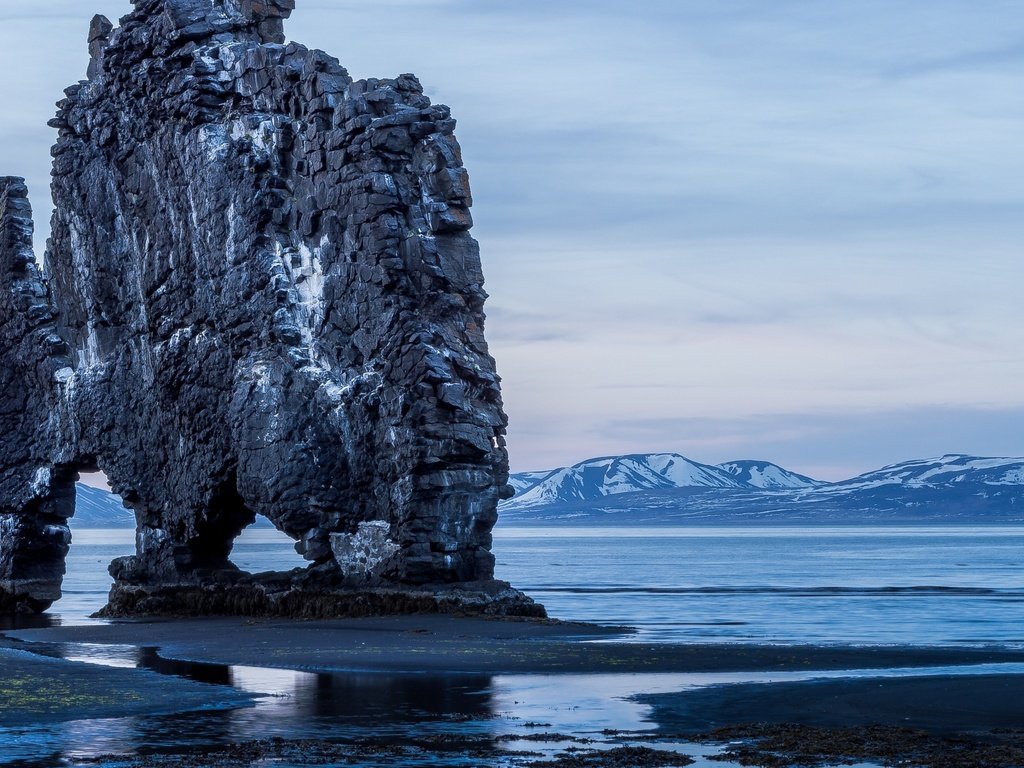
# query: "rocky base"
(278, 596)
(15, 602)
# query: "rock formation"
(261, 297)
(35, 499)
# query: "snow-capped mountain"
(612, 475)
(522, 481)
(954, 468)
(764, 474)
(96, 508)
(669, 489)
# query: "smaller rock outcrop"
(34, 502)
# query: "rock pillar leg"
(35, 497)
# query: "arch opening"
(102, 530)
(96, 505)
(262, 548)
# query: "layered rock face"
(34, 502)
(263, 298)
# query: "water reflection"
(9, 623)
(297, 704)
(85, 739)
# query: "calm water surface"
(916, 586)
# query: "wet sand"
(938, 704)
(35, 690)
(445, 644)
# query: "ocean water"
(903, 586)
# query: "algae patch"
(36, 690)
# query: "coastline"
(446, 644)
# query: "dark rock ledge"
(291, 596)
(260, 297)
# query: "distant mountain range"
(670, 489)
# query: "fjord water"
(902, 586)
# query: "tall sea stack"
(260, 297)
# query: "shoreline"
(938, 704)
(452, 645)
(36, 690)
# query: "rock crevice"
(262, 297)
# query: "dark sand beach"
(417, 644)
(940, 704)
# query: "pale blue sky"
(788, 230)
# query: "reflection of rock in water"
(304, 705)
(348, 695)
(263, 298)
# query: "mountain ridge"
(604, 476)
(952, 488)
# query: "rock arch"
(261, 297)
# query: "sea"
(919, 586)
(960, 586)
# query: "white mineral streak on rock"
(263, 136)
(307, 277)
(215, 139)
(90, 357)
(180, 337)
(363, 555)
(261, 376)
(150, 539)
(41, 481)
(230, 251)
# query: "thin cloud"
(997, 57)
(831, 446)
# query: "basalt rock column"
(273, 305)
(34, 535)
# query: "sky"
(786, 230)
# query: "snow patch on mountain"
(764, 474)
(522, 481)
(96, 508)
(954, 468)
